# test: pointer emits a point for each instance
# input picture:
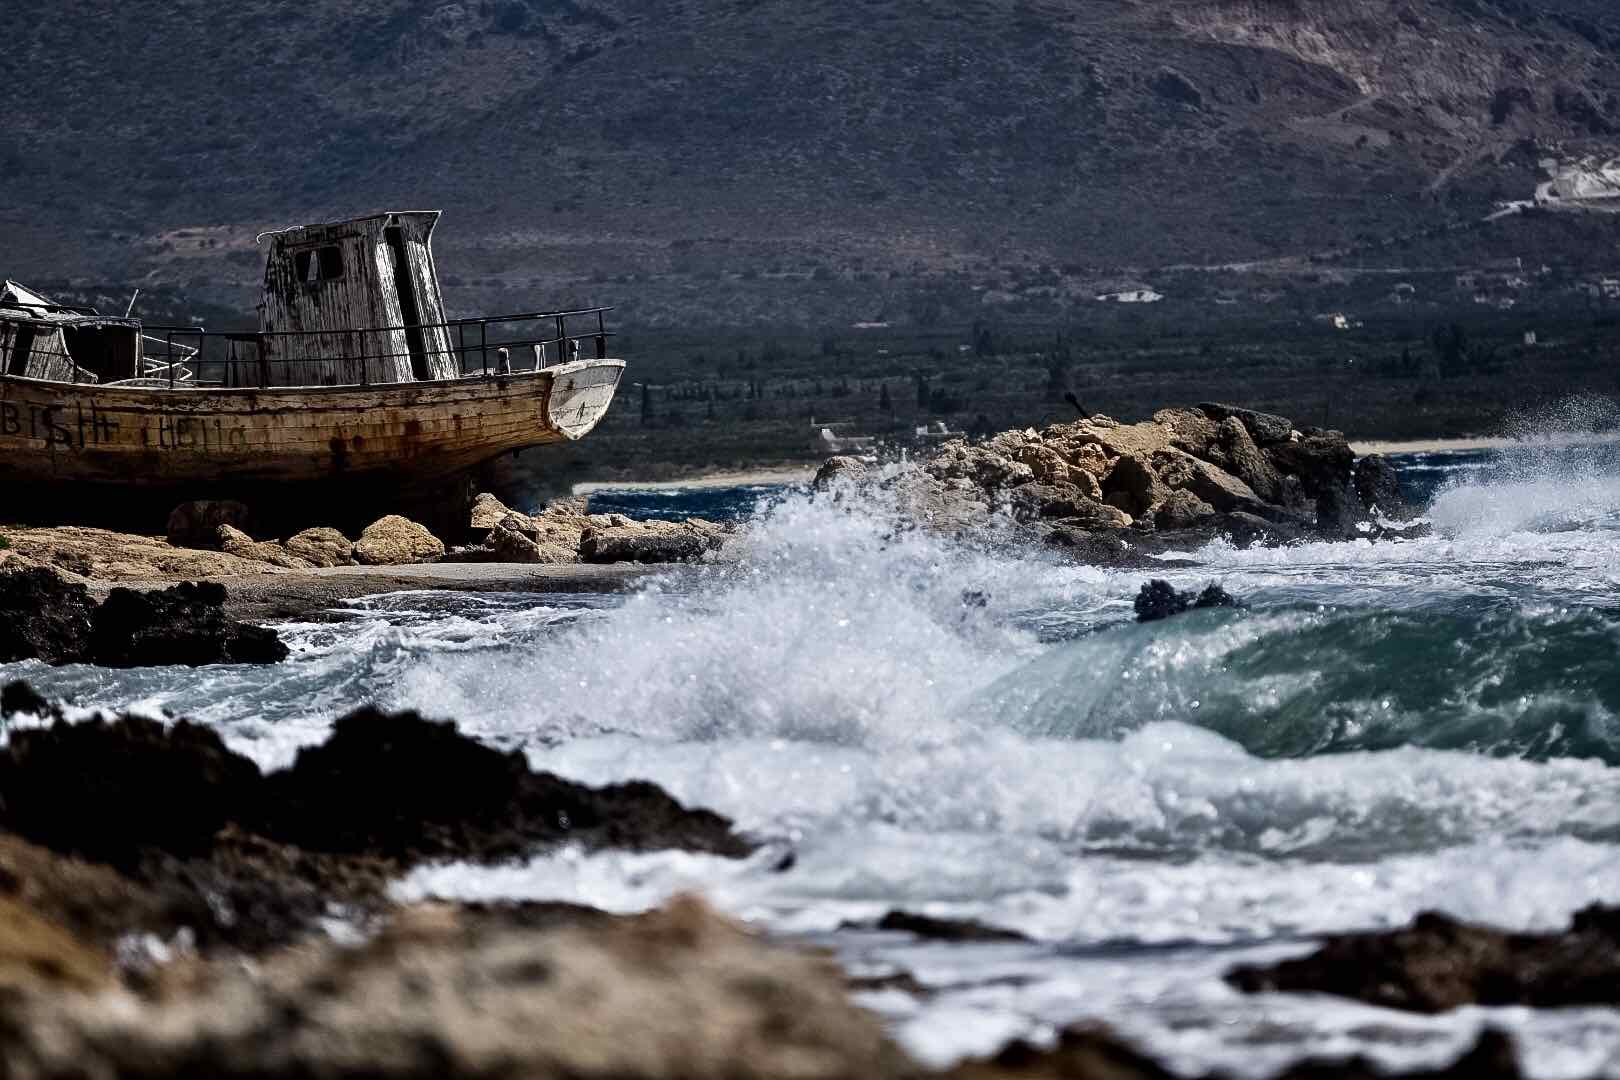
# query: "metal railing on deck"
(483, 346)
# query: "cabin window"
(322, 264)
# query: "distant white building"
(1132, 296)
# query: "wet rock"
(233, 541)
(982, 466)
(1438, 964)
(1266, 429)
(1068, 502)
(837, 470)
(650, 541)
(1134, 486)
(1110, 550)
(957, 930)
(408, 789)
(196, 524)
(185, 624)
(1182, 510)
(1338, 511)
(1090, 1052)
(322, 547)
(1246, 530)
(397, 541)
(1321, 459)
(112, 791)
(43, 616)
(1378, 486)
(1160, 600)
(675, 993)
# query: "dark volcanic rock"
(253, 861)
(1089, 1052)
(186, 624)
(196, 524)
(1439, 963)
(1159, 600)
(406, 788)
(43, 616)
(1265, 428)
(958, 930)
(111, 791)
(1321, 459)
(1378, 486)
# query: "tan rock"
(1087, 457)
(1096, 515)
(396, 541)
(1179, 470)
(1134, 485)
(840, 470)
(647, 542)
(322, 546)
(1046, 463)
(36, 954)
(487, 512)
(517, 539)
(676, 993)
(233, 541)
(1245, 461)
(1143, 438)
(1182, 510)
(104, 555)
(1192, 431)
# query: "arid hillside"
(737, 162)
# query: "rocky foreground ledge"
(166, 908)
(1117, 493)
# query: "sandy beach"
(753, 477)
(1478, 442)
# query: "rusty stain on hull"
(52, 431)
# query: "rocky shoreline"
(167, 909)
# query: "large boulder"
(233, 541)
(518, 538)
(487, 512)
(1134, 486)
(397, 541)
(842, 469)
(1083, 455)
(1378, 486)
(196, 524)
(982, 466)
(1266, 428)
(322, 547)
(649, 541)
(1191, 430)
(43, 616)
(1116, 438)
(1321, 459)
(1243, 459)
(1158, 600)
(183, 625)
(1217, 487)
(1182, 510)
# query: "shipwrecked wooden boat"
(355, 384)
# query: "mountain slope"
(751, 160)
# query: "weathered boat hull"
(67, 437)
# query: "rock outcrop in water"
(44, 616)
(1438, 963)
(1160, 600)
(565, 533)
(1119, 493)
(248, 859)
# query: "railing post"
(365, 372)
(483, 344)
(601, 337)
(168, 354)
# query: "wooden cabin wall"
(47, 357)
(443, 362)
(356, 299)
